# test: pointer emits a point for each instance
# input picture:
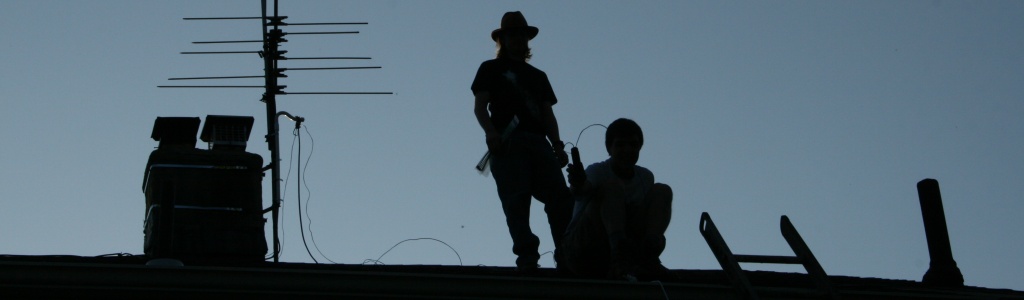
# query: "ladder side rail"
(811, 264)
(725, 258)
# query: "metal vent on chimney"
(226, 132)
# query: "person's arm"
(580, 190)
(480, 110)
(551, 128)
(580, 183)
(550, 124)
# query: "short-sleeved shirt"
(515, 88)
(636, 188)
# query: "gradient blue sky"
(828, 112)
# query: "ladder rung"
(768, 259)
(790, 292)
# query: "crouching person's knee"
(661, 192)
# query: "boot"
(527, 264)
(649, 265)
(561, 269)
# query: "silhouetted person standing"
(619, 222)
(518, 129)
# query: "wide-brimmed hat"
(514, 21)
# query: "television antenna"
(273, 36)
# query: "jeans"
(528, 167)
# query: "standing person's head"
(514, 36)
(623, 140)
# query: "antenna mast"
(272, 38)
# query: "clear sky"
(828, 112)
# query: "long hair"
(501, 54)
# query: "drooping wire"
(291, 154)
(298, 191)
(585, 129)
(309, 194)
(662, 289)
(119, 254)
(378, 262)
(284, 236)
(552, 256)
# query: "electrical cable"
(662, 289)
(378, 262)
(291, 154)
(298, 191)
(309, 225)
(119, 254)
(585, 129)
(552, 252)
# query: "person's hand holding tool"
(577, 176)
(494, 143)
(559, 148)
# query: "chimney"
(943, 270)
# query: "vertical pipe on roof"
(943, 270)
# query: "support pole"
(269, 65)
(943, 270)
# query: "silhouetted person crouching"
(619, 222)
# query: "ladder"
(730, 262)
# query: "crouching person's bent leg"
(585, 245)
(595, 243)
(657, 214)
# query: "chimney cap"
(175, 130)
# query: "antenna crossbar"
(225, 42)
(222, 77)
(220, 52)
(337, 93)
(336, 68)
(295, 58)
(336, 32)
(231, 17)
(300, 24)
(212, 86)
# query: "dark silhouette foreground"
(518, 128)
